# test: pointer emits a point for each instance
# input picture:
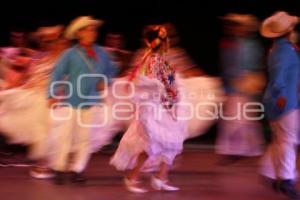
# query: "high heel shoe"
(132, 186)
(159, 184)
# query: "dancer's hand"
(281, 102)
(100, 86)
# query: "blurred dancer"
(152, 139)
(241, 59)
(82, 67)
(52, 44)
(14, 68)
(25, 114)
(281, 103)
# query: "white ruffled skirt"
(24, 119)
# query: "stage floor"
(195, 172)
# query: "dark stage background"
(196, 20)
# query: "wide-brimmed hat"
(79, 23)
(51, 32)
(247, 20)
(278, 25)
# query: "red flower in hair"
(155, 43)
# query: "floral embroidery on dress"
(160, 69)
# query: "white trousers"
(70, 134)
(279, 161)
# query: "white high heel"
(159, 184)
(131, 186)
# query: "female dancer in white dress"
(156, 134)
